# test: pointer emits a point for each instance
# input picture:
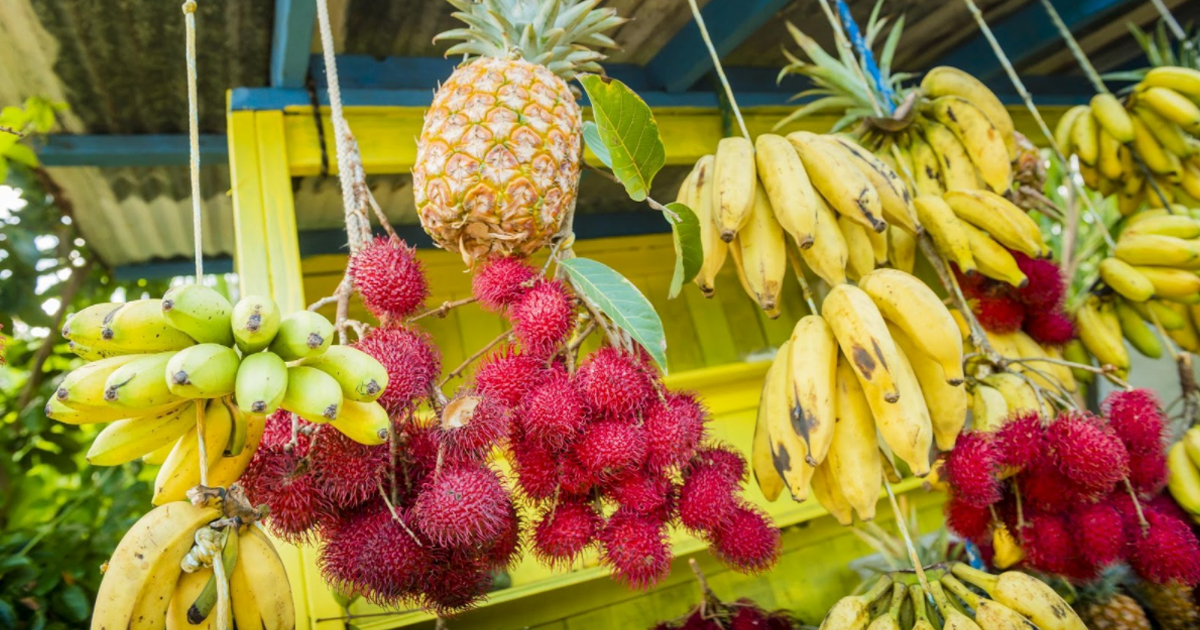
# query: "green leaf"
(22, 154)
(591, 137)
(73, 603)
(627, 128)
(617, 298)
(689, 253)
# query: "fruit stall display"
(435, 441)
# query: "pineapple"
(1173, 606)
(1102, 605)
(499, 156)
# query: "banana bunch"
(1183, 464)
(161, 576)
(978, 230)
(884, 358)
(157, 367)
(1156, 125)
(1014, 600)
(844, 209)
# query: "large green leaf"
(617, 298)
(628, 130)
(591, 137)
(689, 253)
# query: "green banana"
(83, 387)
(206, 601)
(88, 324)
(59, 412)
(141, 384)
(200, 312)
(261, 382)
(312, 394)
(361, 377)
(139, 327)
(126, 440)
(207, 370)
(302, 334)
(1137, 332)
(240, 434)
(255, 323)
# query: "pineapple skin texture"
(498, 160)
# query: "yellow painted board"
(712, 330)
(250, 257)
(279, 213)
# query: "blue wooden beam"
(1027, 33)
(684, 60)
(144, 150)
(291, 41)
(159, 269)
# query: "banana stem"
(904, 533)
(716, 59)
(1037, 116)
(961, 591)
(797, 269)
(882, 586)
(971, 575)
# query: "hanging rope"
(716, 59)
(1172, 23)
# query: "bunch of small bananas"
(883, 358)
(1183, 464)
(1156, 125)
(156, 363)
(162, 569)
(1013, 600)
(1151, 280)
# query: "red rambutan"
(295, 507)
(1051, 328)
(553, 413)
(674, 429)
(611, 447)
(418, 451)
(393, 562)
(573, 478)
(389, 278)
(614, 384)
(498, 281)
(348, 473)
(543, 317)
(1137, 418)
(999, 313)
(536, 468)
(1100, 531)
(1045, 289)
(635, 548)
(1167, 552)
(471, 426)
(1021, 440)
(344, 540)
(411, 360)
(564, 531)
(462, 505)
(509, 376)
(707, 499)
(747, 541)
(1087, 453)
(1148, 474)
(1047, 542)
(971, 469)
(277, 431)
(1045, 487)
(972, 523)
(455, 585)
(507, 548)
(724, 458)
(641, 491)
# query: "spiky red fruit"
(509, 376)
(1137, 418)
(1021, 440)
(708, 498)
(999, 313)
(344, 540)
(1047, 543)
(1100, 532)
(747, 541)
(573, 478)
(498, 282)
(454, 585)
(613, 384)
(389, 278)
(462, 505)
(543, 317)
(968, 521)
(636, 549)
(674, 428)
(369, 552)
(277, 430)
(282, 480)
(1088, 454)
(611, 447)
(507, 548)
(724, 458)
(1050, 328)
(565, 530)
(411, 360)
(748, 616)
(1168, 552)
(418, 452)
(553, 413)
(971, 469)
(1148, 474)
(348, 472)
(471, 426)
(1045, 289)
(536, 468)
(1045, 487)
(642, 492)
(295, 507)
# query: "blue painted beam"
(684, 60)
(144, 150)
(291, 41)
(159, 269)
(1027, 33)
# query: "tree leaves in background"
(626, 127)
(621, 301)
(689, 253)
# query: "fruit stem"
(716, 59)
(189, 17)
(961, 590)
(939, 598)
(649, 200)
(708, 597)
(201, 432)
(396, 517)
(218, 567)
(882, 586)
(443, 310)
(1187, 383)
(908, 541)
(979, 338)
(1137, 506)
(1020, 509)
(918, 599)
(898, 592)
(798, 269)
(971, 575)
(462, 367)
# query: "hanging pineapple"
(498, 160)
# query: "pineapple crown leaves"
(558, 34)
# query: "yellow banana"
(735, 180)
(1019, 395)
(1152, 310)
(87, 325)
(1065, 128)
(1123, 278)
(991, 259)
(181, 471)
(997, 216)
(990, 615)
(1179, 285)
(1186, 336)
(255, 320)
(1085, 138)
(361, 377)
(827, 490)
(1045, 374)
(139, 326)
(902, 249)
(862, 335)
(1177, 225)
(141, 384)
(829, 253)
(1025, 594)
(927, 170)
(1100, 331)
(894, 197)
(890, 619)
(945, 228)
(950, 81)
(1148, 148)
(261, 382)
(200, 312)
(958, 171)
(301, 335)
(261, 572)
(59, 412)
(763, 253)
(1075, 352)
(1167, 134)
(879, 244)
(1109, 162)
(854, 611)
(1191, 444)
(363, 422)
(189, 587)
(947, 404)
(312, 394)
(762, 462)
(952, 617)
(207, 370)
(854, 458)
(861, 258)
(788, 452)
(845, 188)
(228, 469)
(701, 200)
(787, 185)
(988, 408)
(88, 353)
(906, 425)
(913, 307)
(1007, 551)
(126, 440)
(1158, 250)
(83, 387)
(1190, 180)
(1171, 105)
(1183, 480)
(983, 142)
(1110, 114)
(812, 364)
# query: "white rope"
(712, 51)
(189, 15)
(1172, 23)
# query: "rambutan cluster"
(1060, 487)
(389, 278)
(1036, 308)
(743, 614)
